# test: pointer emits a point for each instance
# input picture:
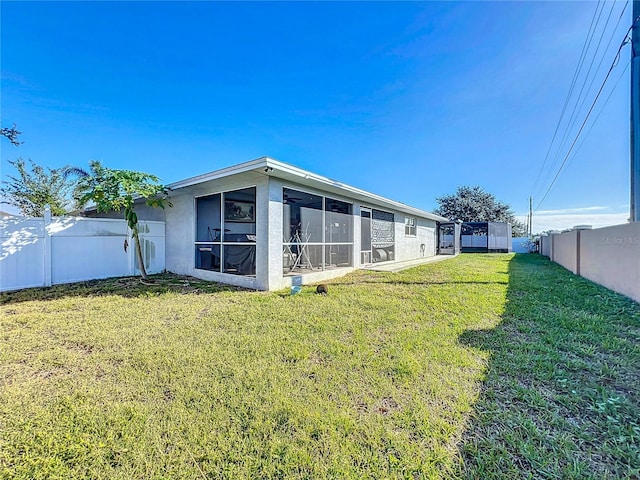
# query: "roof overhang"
(275, 168)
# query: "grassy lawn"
(482, 366)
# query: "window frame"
(410, 226)
(222, 242)
(324, 244)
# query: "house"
(267, 225)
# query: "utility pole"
(635, 114)
(531, 215)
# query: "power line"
(595, 120)
(580, 101)
(604, 53)
(578, 105)
(613, 65)
(587, 42)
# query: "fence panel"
(40, 252)
(21, 253)
(153, 248)
(83, 258)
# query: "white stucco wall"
(609, 256)
(409, 247)
(179, 239)
(275, 280)
(357, 226)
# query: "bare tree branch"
(12, 134)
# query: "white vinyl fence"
(38, 252)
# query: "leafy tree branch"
(35, 187)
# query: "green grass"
(483, 366)
(562, 394)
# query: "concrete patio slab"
(399, 266)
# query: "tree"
(32, 189)
(473, 204)
(116, 190)
(12, 134)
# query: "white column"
(274, 275)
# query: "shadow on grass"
(561, 398)
(409, 282)
(129, 287)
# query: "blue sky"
(407, 100)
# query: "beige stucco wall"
(564, 250)
(611, 257)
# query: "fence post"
(47, 247)
(578, 229)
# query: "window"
(317, 232)
(226, 232)
(410, 226)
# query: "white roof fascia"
(224, 172)
(275, 168)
